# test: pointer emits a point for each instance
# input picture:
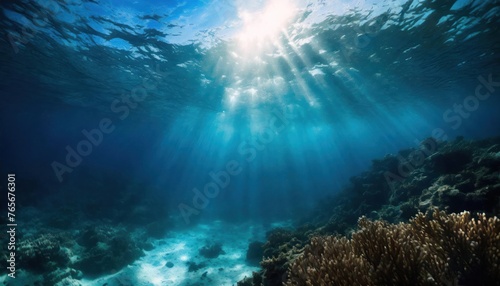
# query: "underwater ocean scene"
(249, 143)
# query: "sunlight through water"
(175, 142)
(264, 26)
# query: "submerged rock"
(62, 277)
(107, 250)
(193, 266)
(212, 250)
(255, 252)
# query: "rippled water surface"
(294, 97)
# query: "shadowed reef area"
(397, 224)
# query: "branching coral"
(433, 249)
(469, 247)
(330, 261)
(395, 256)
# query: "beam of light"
(264, 26)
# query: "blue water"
(177, 106)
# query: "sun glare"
(264, 26)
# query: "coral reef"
(50, 254)
(63, 257)
(453, 249)
(452, 176)
(467, 248)
(44, 253)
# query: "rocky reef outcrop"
(65, 257)
(455, 176)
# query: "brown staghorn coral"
(330, 261)
(433, 249)
(395, 256)
(470, 246)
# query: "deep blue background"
(184, 129)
